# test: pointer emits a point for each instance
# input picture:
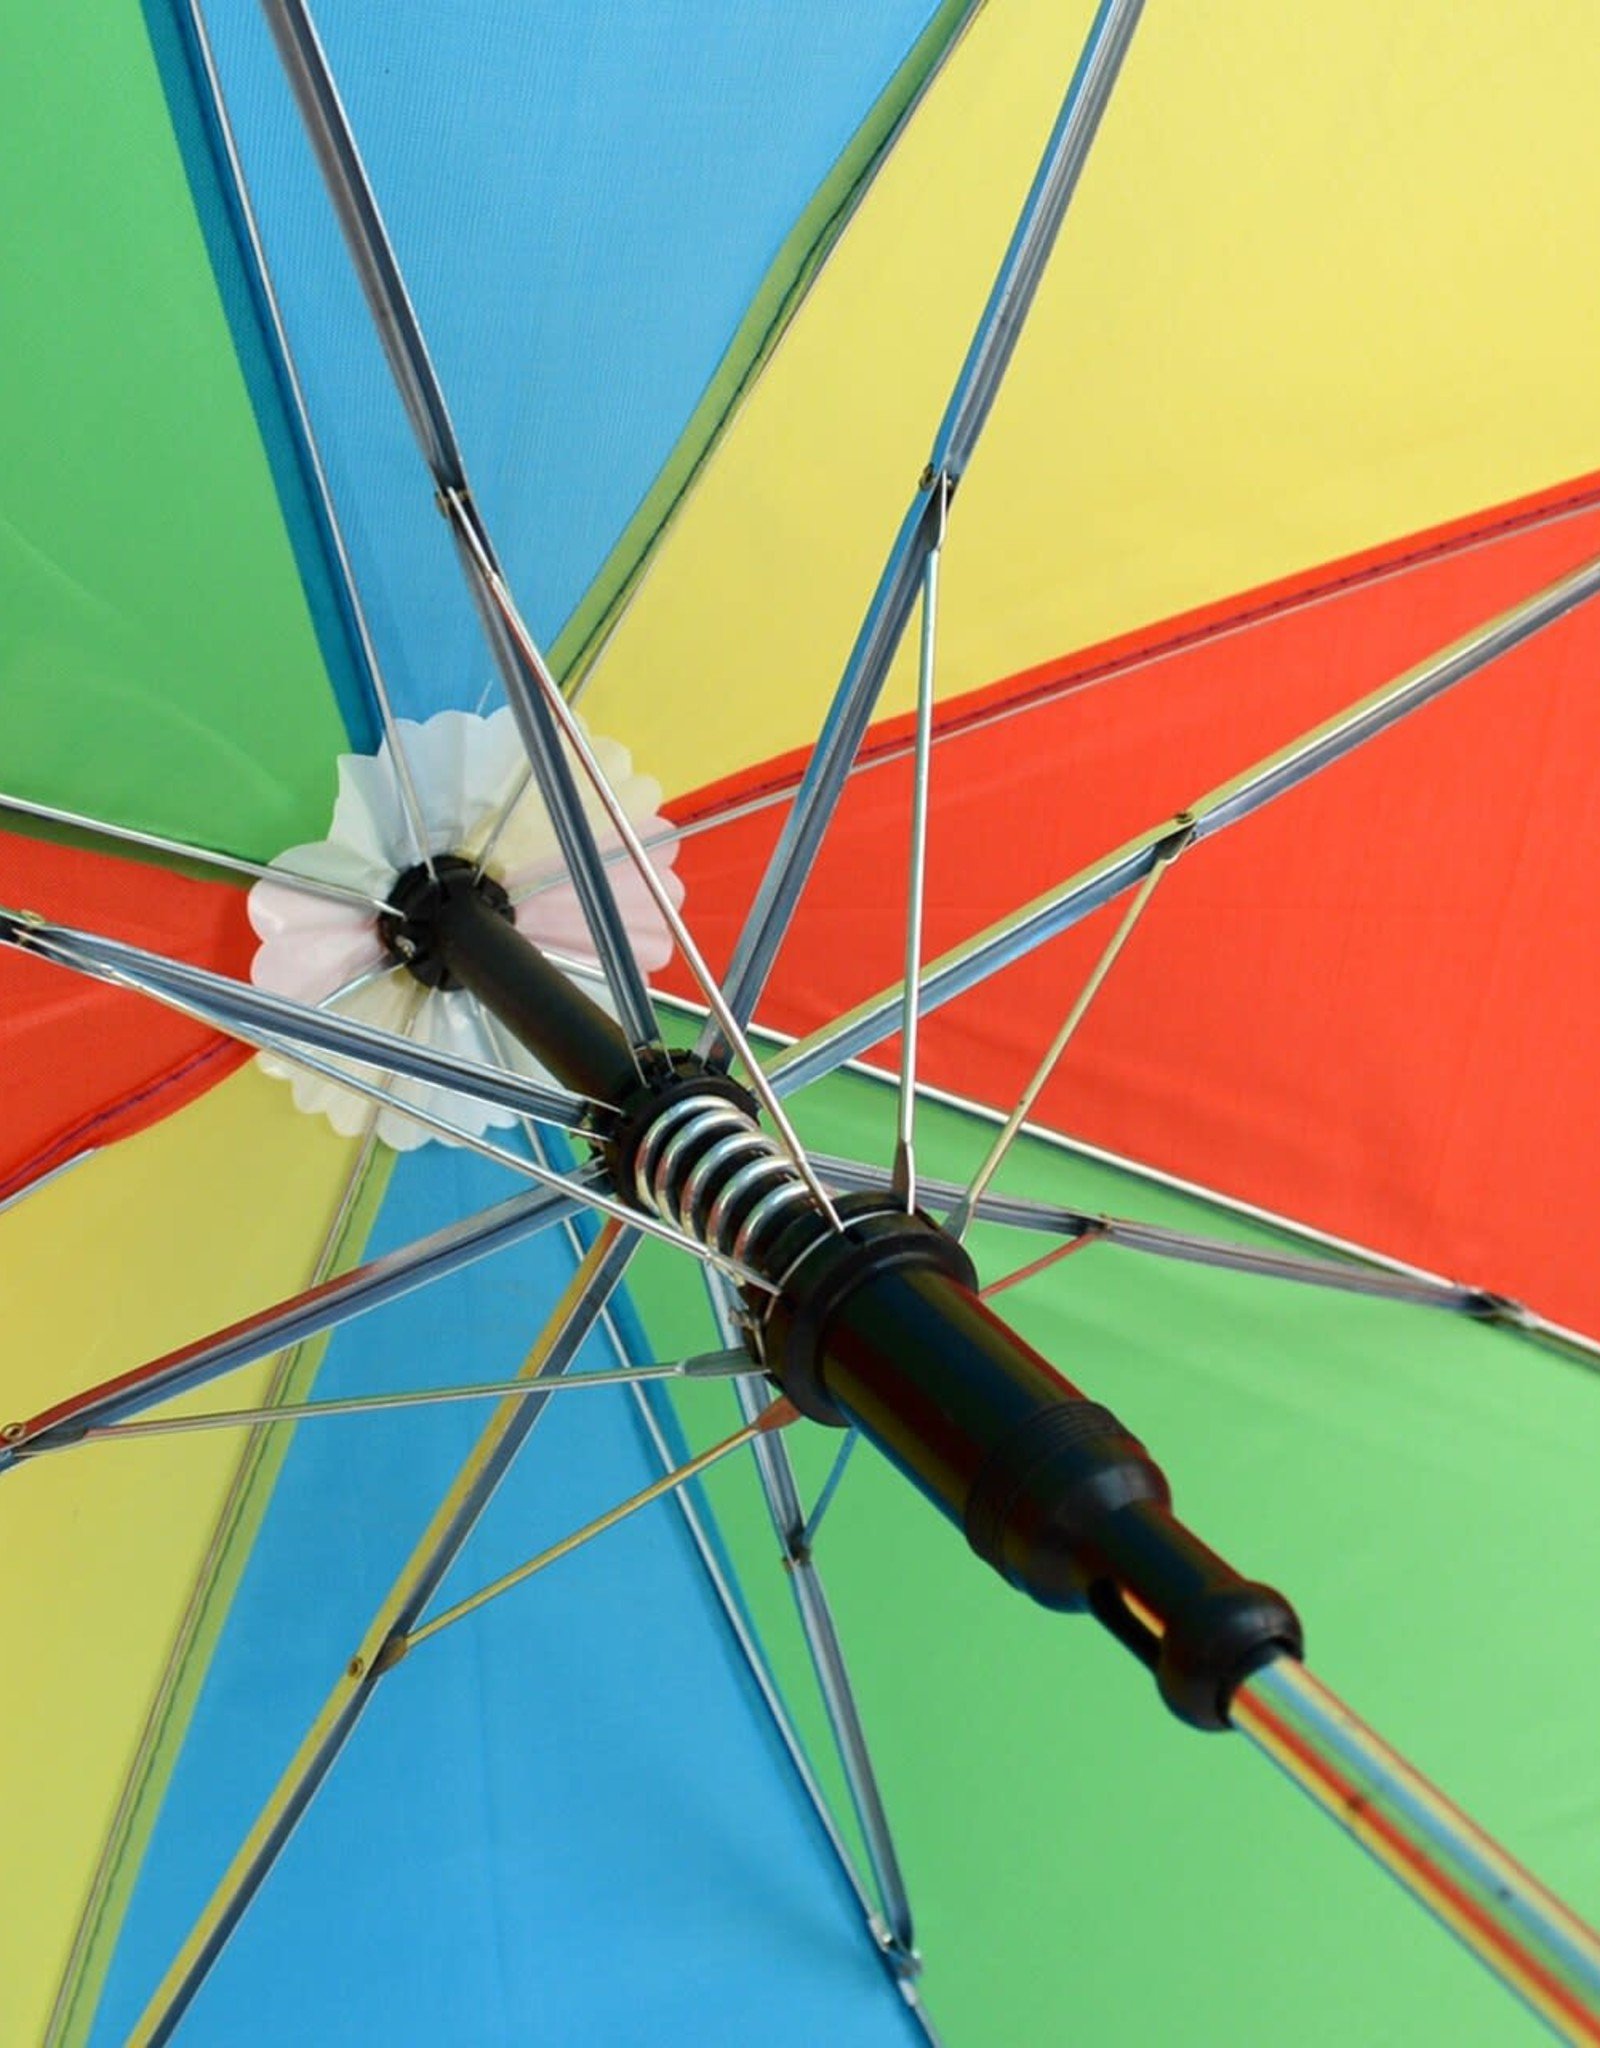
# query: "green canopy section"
(1082, 1868)
(159, 666)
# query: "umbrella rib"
(372, 669)
(589, 1196)
(1419, 1290)
(174, 978)
(400, 334)
(1012, 937)
(573, 732)
(181, 850)
(961, 1215)
(294, 1320)
(254, 1013)
(829, 1488)
(737, 1620)
(452, 1523)
(775, 1470)
(988, 357)
(708, 1365)
(905, 1158)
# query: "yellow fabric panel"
(1329, 278)
(141, 1248)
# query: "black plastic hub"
(412, 927)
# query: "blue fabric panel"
(566, 1820)
(584, 196)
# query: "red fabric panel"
(1373, 1007)
(83, 1063)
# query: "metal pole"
(1510, 1922)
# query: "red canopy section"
(1374, 1007)
(85, 1063)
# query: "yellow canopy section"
(143, 1247)
(1329, 278)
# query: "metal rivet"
(12, 1431)
(355, 1667)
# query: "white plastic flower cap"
(464, 769)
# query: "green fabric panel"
(158, 665)
(1082, 1867)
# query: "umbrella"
(1293, 442)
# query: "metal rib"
(529, 687)
(961, 1215)
(771, 1415)
(253, 1013)
(776, 1471)
(328, 128)
(734, 1612)
(405, 783)
(1065, 156)
(905, 1158)
(870, 659)
(201, 856)
(830, 1487)
(383, 285)
(573, 733)
(712, 1365)
(452, 1524)
(295, 1319)
(1059, 909)
(1415, 1289)
(168, 990)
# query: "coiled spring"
(708, 1167)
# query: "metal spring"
(711, 1169)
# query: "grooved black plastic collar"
(824, 1269)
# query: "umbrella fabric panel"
(159, 663)
(85, 1063)
(1083, 1868)
(567, 1818)
(1297, 308)
(584, 214)
(139, 1249)
(1368, 1006)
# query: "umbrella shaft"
(1503, 1914)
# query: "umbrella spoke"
(573, 732)
(201, 856)
(733, 1610)
(1422, 1290)
(1012, 937)
(291, 1028)
(1038, 1265)
(453, 1522)
(323, 1306)
(775, 1470)
(922, 530)
(705, 1366)
(208, 81)
(776, 1415)
(961, 1215)
(521, 666)
(830, 1487)
(905, 1158)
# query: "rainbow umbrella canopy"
(1307, 394)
